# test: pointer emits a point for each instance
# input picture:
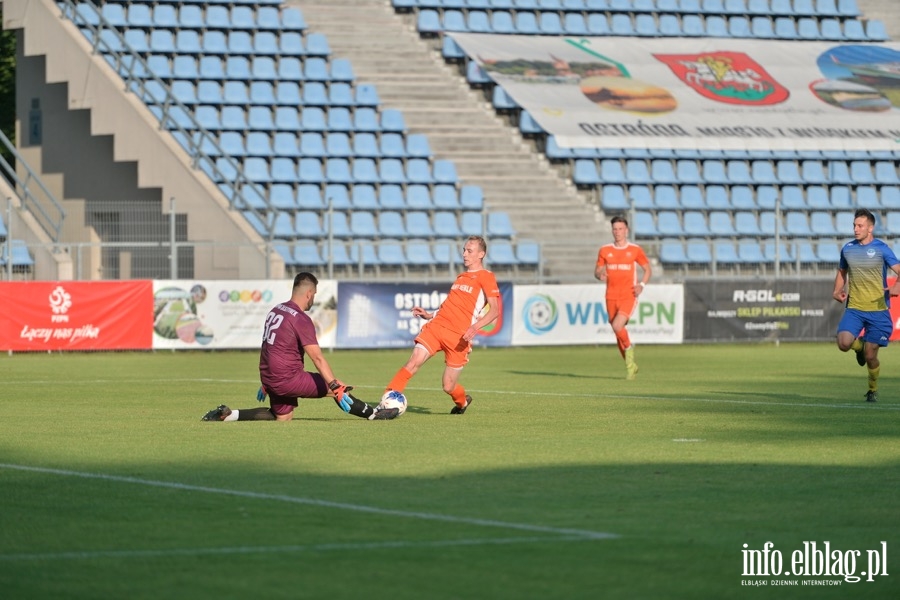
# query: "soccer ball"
(392, 399)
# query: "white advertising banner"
(189, 314)
(576, 314)
(703, 93)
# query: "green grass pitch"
(562, 480)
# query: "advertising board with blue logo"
(576, 314)
(379, 315)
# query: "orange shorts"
(626, 306)
(436, 337)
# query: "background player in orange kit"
(454, 324)
(615, 266)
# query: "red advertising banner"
(76, 315)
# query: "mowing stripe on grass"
(315, 502)
(861, 405)
(313, 548)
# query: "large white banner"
(576, 314)
(230, 314)
(706, 93)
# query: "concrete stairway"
(461, 125)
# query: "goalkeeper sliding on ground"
(288, 337)
(342, 397)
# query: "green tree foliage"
(7, 85)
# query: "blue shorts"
(878, 325)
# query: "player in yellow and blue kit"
(861, 283)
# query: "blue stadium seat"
(365, 145)
(813, 172)
(645, 25)
(528, 253)
(644, 225)
(501, 254)
(446, 225)
(784, 252)
(418, 170)
(854, 30)
(445, 197)
(695, 224)
(828, 252)
(692, 198)
(597, 24)
(876, 31)
(364, 197)
(499, 225)
(390, 197)
(808, 29)
(726, 253)
(762, 27)
(621, 24)
(669, 25)
(390, 224)
(636, 172)
(550, 23)
(613, 199)
(502, 22)
(418, 224)
(890, 197)
(585, 173)
(717, 26)
(307, 224)
(478, 21)
(714, 172)
(821, 224)
(743, 198)
(861, 172)
(792, 198)
(671, 251)
(472, 223)
(526, 23)
(665, 197)
(820, 197)
(692, 25)
(641, 197)
(418, 254)
(788, 172)
(668, 223)
(307, 254)
(739, 26)
(763, 172)
(749, 252)
(574, 24)
(471, 197)
(418, 198)
(698, 252)
(746, 224)
(797, 224)
(720, 224)
(688, 171)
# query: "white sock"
(233, 416)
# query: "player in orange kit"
(615, 266)
(452, 327)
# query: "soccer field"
(562, 480)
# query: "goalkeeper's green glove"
(261, 394)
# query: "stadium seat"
(668, 224)
(641, 197)
(672, 252)
(792, 198)
(720, 224)
(695, 224)
(746, 224)
(698, 252)
(749, 252)
(797, 224)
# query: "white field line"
(861, 405)
(311, 548)
(581, 533)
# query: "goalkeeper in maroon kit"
(289, 336)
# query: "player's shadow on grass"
(553, 374)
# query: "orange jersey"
(621, 276)
(467, 298)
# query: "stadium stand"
(276, 107)
(680, 200)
